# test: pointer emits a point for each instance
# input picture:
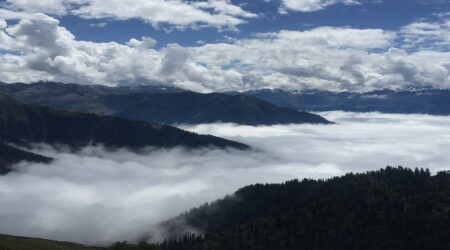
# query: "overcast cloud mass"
(98, 197)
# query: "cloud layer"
(98, 196)
(314, 5)
(215, 13)
(331, 58)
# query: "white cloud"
(216, 13)
(3, 24)
(11, 14)
(225, 7)
(322, 58)
(98, 196)
(144, 43)
(427, 35)
(59, 7)
(99, 25)
(314, 5)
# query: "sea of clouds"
(97, 196)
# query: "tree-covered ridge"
(393, 208)
(26, 123)
(10, 155)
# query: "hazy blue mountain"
(194, 108)
(423, 101)
(75, 97)
(154, 104)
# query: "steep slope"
(164, 105)
(394, 208)
(10, 155)
(8, 99)
(422, 101)
(25, 124)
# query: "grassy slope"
(23, 243)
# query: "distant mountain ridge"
(409, 101)
(195, 108)
(170, 106)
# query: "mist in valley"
(98, 196)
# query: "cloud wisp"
(182, 14)
(97, 197)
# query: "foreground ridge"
(393, 208)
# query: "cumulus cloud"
(98, 197)
(427, 35)
(3, 24)
(329, 58)
(314, 5)
(225, 7)
(144, 43)
(51, 52)
(215, 13)
(58, 7)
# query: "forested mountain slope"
(161, 105)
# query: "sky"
(98, 197)
(228, 45)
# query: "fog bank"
(98, 196)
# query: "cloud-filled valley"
(97, 196)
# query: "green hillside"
(22, 243)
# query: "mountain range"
(158, 104)
(409, 101)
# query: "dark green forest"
(393, 208)
(10, 155)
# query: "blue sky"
(222, 45)
(389, 15)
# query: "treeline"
(393, 208)
(10, 155)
